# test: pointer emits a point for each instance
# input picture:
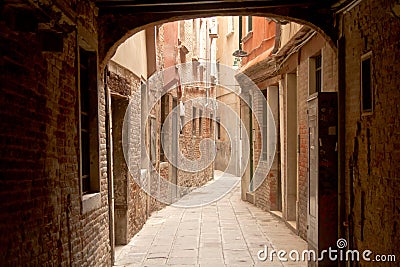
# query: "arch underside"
(120, 19)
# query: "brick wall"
(265, 194)
(120, 169)
(223, 154)
(164, 166)
(302, 95)
(187, 37)
(169, 54)
(373, 142)
(130, 201)
(189, 142)
(41, 219)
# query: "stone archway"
(118, 20)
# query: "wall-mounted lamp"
(240, 53)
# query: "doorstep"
(251, 197)
(290, 224)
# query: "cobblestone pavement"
(229, 232)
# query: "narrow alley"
(199, 133)
(229, 232)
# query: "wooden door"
(312, 218)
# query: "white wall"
(132, 54)
(228, 41)
(288, 31)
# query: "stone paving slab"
(229, 232)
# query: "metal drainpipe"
(240, 32)
(277, 38)
(251, 142)
(109, 166)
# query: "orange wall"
(170, 53)
(261, 38)
(170, 43)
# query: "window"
(195, 66)
(143, 125)
(315, 74)
(218, 128)
(183, 51)
(264, 128)
(88, 124)
(231, 25)
(211, 123)
(213, 28)
(200, 124)
(201, 73)
(366, 84)
(318, 73)
(164, 114)
(153, 140)
(249, 24)
(194, 122)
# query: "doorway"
(291, 147)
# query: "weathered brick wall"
(161, 48)
(265, 195)
(129, 198)
(189, 143)
(223, 155)
(164, 166)
(302, 95)
(373, 142)
(120, 169)
(164, 171)
(41, 217)
(156, 189)
(121, 80)
(187, 37)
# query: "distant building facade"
(228, 145)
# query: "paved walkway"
(228, 232)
